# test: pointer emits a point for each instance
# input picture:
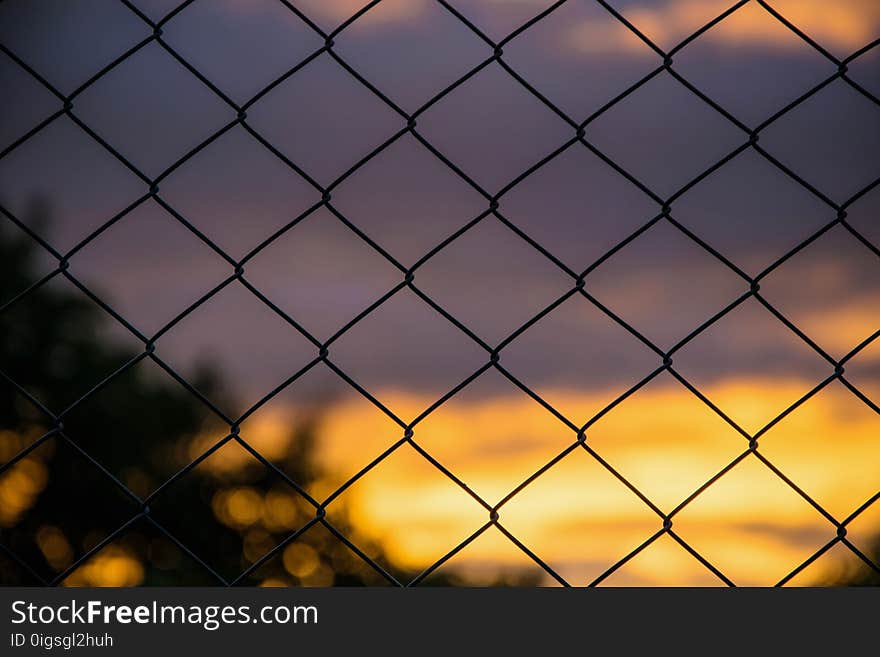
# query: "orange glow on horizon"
(577, 516)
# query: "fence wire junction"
(409, 125)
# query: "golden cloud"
(335, 12)
(844, 25)
(581, 519)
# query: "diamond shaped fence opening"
(419, 243)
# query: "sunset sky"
(577, 516)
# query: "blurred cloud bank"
(151, 268)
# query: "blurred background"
(96, 264)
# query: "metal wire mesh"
(579, 282)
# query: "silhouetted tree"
(857, 572)
(134, 423)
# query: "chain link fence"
(580, 137)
